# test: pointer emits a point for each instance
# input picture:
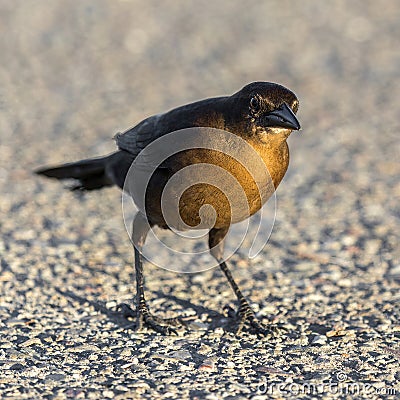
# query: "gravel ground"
(73, 74)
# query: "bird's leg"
(142, 314)
(244, 313)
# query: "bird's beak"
(282, 117)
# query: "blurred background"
(89, 68)
(73, 73)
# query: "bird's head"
(266, 110)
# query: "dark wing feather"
(135, 139)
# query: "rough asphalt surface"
(73, 74)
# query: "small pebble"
(319, 339)
(208, 364)
(31, 342)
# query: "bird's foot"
(143, 317)
(246, 316)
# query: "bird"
(261, 114)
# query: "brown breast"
(217, 180)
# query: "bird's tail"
(90, 173)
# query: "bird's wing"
(203, 113)
(135, 139)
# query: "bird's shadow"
(114, 315)
(214, 318)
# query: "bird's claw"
(144, 317)
(245, 316)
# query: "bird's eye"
(255, 104)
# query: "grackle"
(261, 113)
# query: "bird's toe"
(245, 317)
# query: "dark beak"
(282, 117)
